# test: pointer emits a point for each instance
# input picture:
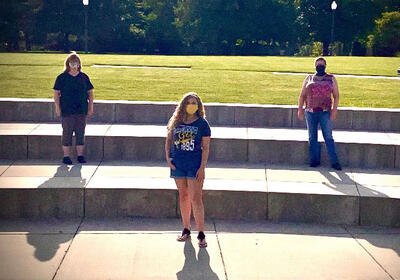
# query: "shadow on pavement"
(196, 268)
(73, 174)
(47, 244)
(344, 178)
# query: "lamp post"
(333, 7)
(86, 4)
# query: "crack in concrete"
(220, 251)
(365, 249)
(69, 246)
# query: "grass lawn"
(216, 79)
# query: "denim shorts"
(185, 169)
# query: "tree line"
(216, 27)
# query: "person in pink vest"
(317, 92)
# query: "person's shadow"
(47, 244)
(72, 175)
(196, 269)
(339, 183)
(343, 178)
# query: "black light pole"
(86, 4)
(333, 7)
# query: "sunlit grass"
(216, 79)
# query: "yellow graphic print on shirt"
(184, 137)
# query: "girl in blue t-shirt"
(186, 149)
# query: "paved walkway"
(146, 249)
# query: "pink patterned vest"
(318, 93)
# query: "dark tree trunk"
(325, 48)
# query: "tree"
(354, 19)
(116, 25)
(161, 34)
(60, 18)
(234, 26)
(17, 21)
(315, 16)
(386, 38)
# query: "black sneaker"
(67, 160)
(81, 159)
(337, 166)
(315, 164)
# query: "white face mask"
(74, 65)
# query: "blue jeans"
(312, 120)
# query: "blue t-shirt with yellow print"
(186, 139)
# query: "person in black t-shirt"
(73, 97)
(186, 149)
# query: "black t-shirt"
(187, 139)
(74, 96)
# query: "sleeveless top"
(318, 93)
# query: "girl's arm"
(205, 145)
(167, 151)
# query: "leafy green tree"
(161, 34)
(386, 39)
(315, 17)
(354, 20)
(116, 25)
(228, 27)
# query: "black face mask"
(320, 70)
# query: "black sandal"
(184, 236)
(202, 242)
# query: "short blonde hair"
(73, 56)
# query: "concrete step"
(218, 114)
(228, 144)
(115, 189)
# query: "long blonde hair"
(73, 56)
(180, 110)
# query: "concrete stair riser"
(115, 202)
(235, 205)
(134, 148)
(112, 203)
(329, 209)
(217, 114)
(221, 150)
(31, 111)
(13, 147)
(379, 211)
(60, 203)
(49, 147)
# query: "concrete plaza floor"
(138, 248)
